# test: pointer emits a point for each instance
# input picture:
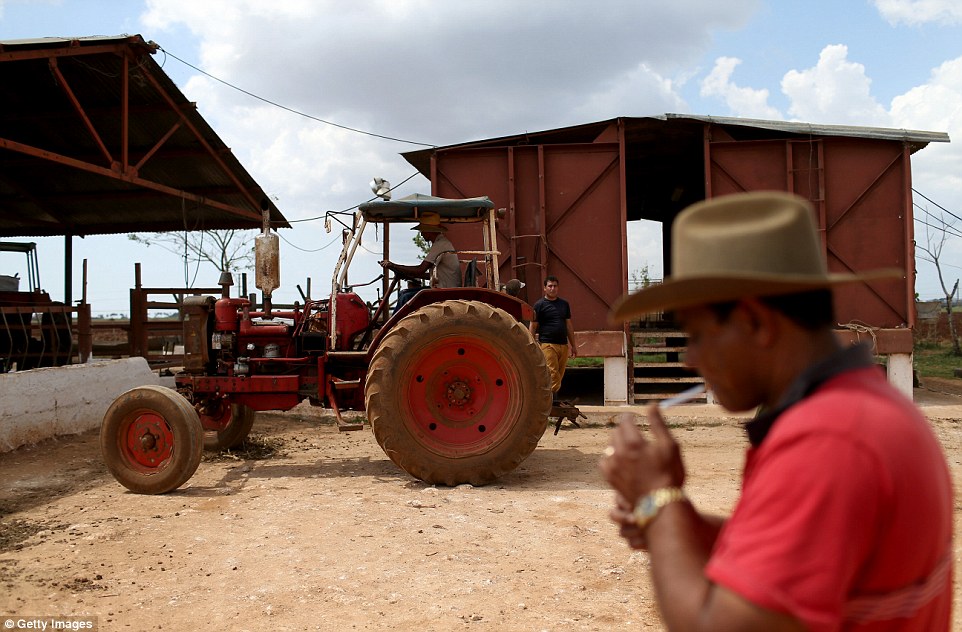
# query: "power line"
(324, 247)
(931, 201)
(292, 110)
(946, 228)
(342, 212)
(350, 208)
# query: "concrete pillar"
(899, 370)
(616, 381)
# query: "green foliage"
(935, 360)
(579, 361)
(422, 244)
(640, 278)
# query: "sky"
(441, 72)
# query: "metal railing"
(42, 334)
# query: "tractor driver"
(441, 256)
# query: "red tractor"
(455, 388)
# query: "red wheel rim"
(147, 442)
(462, 397)
(219, 420)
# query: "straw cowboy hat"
(430, 223)
(748, 244)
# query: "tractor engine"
(221, 338)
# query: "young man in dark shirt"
(552, 328)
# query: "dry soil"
(311, 529)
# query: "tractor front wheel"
(458, 392)
(151, 440)
(228, 428)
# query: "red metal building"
(569, 192)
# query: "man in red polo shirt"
(844, 521)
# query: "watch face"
(648, 506)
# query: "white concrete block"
(42, 403)
(616, 381)
(899, 372)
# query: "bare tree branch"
(228, 250)
(935, 238)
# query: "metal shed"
(569, 192)
(95, 138)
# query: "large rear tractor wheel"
(458, 392)
(151, 440)
(228, 428)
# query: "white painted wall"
(42, 403)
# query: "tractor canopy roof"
(413, 207)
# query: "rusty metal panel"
(564, 216)
(601, 344)
(859, 190)
(865, 224)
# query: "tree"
(421, 243)
(639, 278)
(228, 250)
(935, 237)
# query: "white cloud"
(445, 72)
(835, 90)
(937, 103)
(741, 101)
(914, 12)
(637, 93)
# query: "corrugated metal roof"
(96, 139)
(815, 129)
(662, 135)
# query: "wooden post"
(137, 334)
(85, 339)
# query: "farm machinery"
(454, 387)
(34, 330)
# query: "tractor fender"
(514, 306)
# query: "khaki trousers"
(556, 357)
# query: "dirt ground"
(312, 529)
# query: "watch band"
(649, 506)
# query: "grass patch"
(935, 360)
(579, 361)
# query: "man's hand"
(385, 264)
(622, 514)
(634, 466)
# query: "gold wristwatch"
(649, 506)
